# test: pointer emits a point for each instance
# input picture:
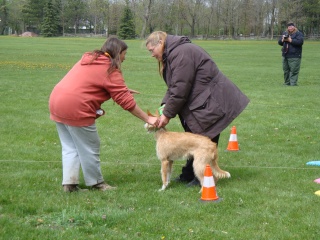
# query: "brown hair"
(153, 40)
(112, 48)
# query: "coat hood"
(172, 42)
(87, 59)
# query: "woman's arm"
(144, 116)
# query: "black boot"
(187, 174)
(194, 183)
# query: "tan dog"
(172, 146)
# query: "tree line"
(136, 18)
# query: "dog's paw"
(162, 188)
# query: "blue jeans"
(291, 69)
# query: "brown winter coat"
(197, 91)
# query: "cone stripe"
(208, 182)
(233, 137)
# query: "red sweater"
(76, 98)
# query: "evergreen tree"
(127, 27)
(32, 12)
(3, 16)
(50, 25)
(76, 13)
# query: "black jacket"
(293, 49)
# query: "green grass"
(271, 192)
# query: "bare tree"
(228, 17)
(190, 11)
(273, 12)
(183, 17)
(146, 16)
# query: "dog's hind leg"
(199, 168)
(169, 171)
(165, 167)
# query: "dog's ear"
(149, 113)
(157, 113)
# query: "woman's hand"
(163, 121)
(153, 121)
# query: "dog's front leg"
(169, 171)
(162, 188)
(164, 174)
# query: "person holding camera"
(291, 42)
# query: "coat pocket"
(206, 109)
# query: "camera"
(285, 35)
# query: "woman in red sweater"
(75, 104)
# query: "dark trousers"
(291, 69)
(187, 171)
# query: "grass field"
(269, 196)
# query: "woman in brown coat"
(205, 100)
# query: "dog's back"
(175, 145)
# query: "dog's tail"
(217, 172)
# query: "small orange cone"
(233, 140)
(209, 192)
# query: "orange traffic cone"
(233, 141)
(209, 192)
